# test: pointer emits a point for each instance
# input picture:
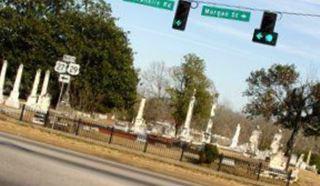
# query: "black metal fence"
(110, 135)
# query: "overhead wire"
(254, 9)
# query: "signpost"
(225, 13)
(66, 68)
(162, 4)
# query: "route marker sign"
(162, 4)
(61, 67)
(225, 13)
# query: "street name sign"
(225, 13)
(162, 4)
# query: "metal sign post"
(66, 68)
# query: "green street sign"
(225, 13)
(162, 4)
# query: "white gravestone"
(275, 144)
(2, 79)
(32, 99)
(13, 100)
(44, 100)
(254, 141)
(278, 161)
(139, 126)
(235, 139)
(185, 133)
(207, 134)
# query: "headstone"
(300, 162)
(309, 157)
(45, 84)
(139, 125)
(254, 140)
(2, 79)
(235, 139)
(185, 132)
(275, 144)
(13, 100)
(44, 100)
(278, 161)
(207, 134)
(32, 99)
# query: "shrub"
(209, 153)
(315, 160)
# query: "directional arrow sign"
(162, 4)
(225, 13)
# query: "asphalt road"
(28, 163)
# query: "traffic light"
(266, 34)
(181, 16)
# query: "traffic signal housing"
(181, 17)
(266, 34)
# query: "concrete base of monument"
(31, 101)
(13, 102)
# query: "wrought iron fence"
(108, 134)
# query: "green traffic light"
(178, 22)
(269, 38)
(259, 35)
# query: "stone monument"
(254, 141)
(2, 79)
(13, 100)
(32, 99)
(139, 125)
(275, 144)
(207, 134)
(44, 100)
(278, 161)
(235, 139)
(185, 132)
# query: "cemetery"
(159, 138)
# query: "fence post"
(46, 119)
(259, 171)
(145, 145)
(22, 112)
(289, 178)
(183, 148)
(111, 135)
(77, 127)
(248, 168)
(220, 161)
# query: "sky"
(225, 45)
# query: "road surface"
(28, 163)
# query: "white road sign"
(64, 78)
(69, 59)
(73, 69)
(61, 67)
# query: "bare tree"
(155, 80)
